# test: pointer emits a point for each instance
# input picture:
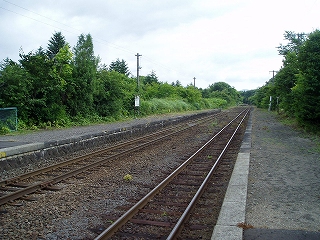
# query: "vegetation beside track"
(63, 87)
(294, 90)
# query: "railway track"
(168, 210)
(21, 187)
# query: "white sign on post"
(137, 101)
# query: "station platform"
(274, 191)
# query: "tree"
(151, 78)
(120, 67)
(80, 90)
(62, 71)
(15, 87)
(247, 95)
(307, 89)
(193, 95)
(45, 92)
(224, 91)
(285, 80)
(295, 42)
(113, 94)
(56, 42)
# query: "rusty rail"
(49, 182)
(112, 229)
(178, 227)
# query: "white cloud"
(233, 41)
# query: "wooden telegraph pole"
(137, 98)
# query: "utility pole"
(273, 71)
(194, 81)
(270, 99)
(137, 98)
(138, 67)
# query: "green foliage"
(60, 87)
(56, 42)
(44, 94)
(297, 83)
(224, 91)
(113, 93)
(151, 78)
(80, 90)
(127, 177)
(191, 94)
(307, 89)
(247, 96)
(4, 130)
(120, 67)
(159, 106)
(15, 88)
(285, 80)
(213, 103)
(295, 42)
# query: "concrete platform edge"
(234, 205)
(5, 152)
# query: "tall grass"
(160, 106)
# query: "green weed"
(127, 177)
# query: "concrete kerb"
(234, 205)
(5, 152)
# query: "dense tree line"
(60, 85)
(295, 89)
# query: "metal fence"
(8, 118)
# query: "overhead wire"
(97, 39)
(66, 25)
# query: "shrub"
(4, 130)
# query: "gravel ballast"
(283, 200)
(78, 210)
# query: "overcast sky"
(233, 41)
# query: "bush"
(160, 106)
(212, 103)
(4, 130)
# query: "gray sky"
(233, 41)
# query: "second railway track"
(45, 178)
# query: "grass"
(317, 141)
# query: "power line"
(99, 40)
(79, 31)
(35, 19)
(39, 14)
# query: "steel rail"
(179, 225)
(113, 228)
(81, 158)
(72, 161)
(47, 183)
